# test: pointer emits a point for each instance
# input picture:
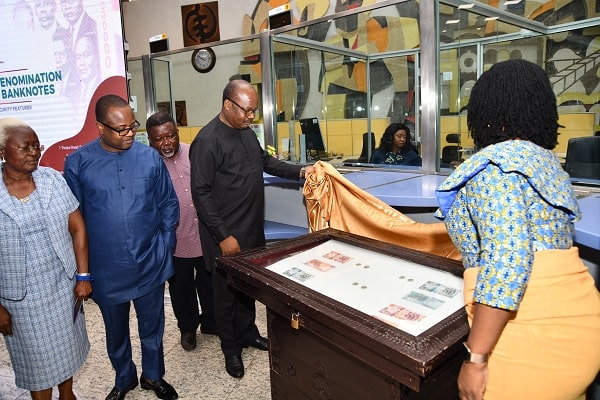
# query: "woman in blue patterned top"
(396, 148)
(533, 307)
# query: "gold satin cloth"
(551, 349)
(332, 201)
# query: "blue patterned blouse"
(500, 206)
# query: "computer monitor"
(312, 134)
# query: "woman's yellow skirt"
(551, 348)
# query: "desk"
(284, 205)
(418, 191)
(275, 180)
(587, 230)
(413, 190)
(279, 231)
(370, 179)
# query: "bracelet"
(474, 358)
(84, 276)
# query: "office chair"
(451, 153)
(416, 146)
(583, 157)
(364, 154)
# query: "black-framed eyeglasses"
(36, 148)
(123, 131)
(247, 112)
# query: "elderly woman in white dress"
(43, 268)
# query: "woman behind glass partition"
(396, 147)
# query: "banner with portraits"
(56, 58)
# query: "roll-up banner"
(57, 57)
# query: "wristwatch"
(302, 172)
(471, 357)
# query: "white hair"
(9, 123)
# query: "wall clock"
(203, 60)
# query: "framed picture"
(180, 111)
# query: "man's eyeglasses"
(247, 112)
(123, 131)
(27, 150)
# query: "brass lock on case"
(295, 321)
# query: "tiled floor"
(199, 374)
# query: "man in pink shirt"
(192, 280)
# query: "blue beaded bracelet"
(84, 277)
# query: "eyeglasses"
(27, 150)
(247, 112)
(123, 131)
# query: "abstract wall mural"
(350, 32)
(572, 58)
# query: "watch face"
(203, 60)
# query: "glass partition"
(137, 94)
(462, 36)
(358, 70)
(194, 98)
(161, 73)
(355, 73)
(311, 84)
(473, 39)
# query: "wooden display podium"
(322, 348)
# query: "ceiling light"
(466, 6)
(490, 18)
(452, 21)
(511, 2)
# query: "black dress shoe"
(161, 388)
(188, 340)
(119, 394)
(234, 366)
(259, 342)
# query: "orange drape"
(334, 202)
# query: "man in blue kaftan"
(131, 212)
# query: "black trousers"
(190, 283)
(235, 313)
